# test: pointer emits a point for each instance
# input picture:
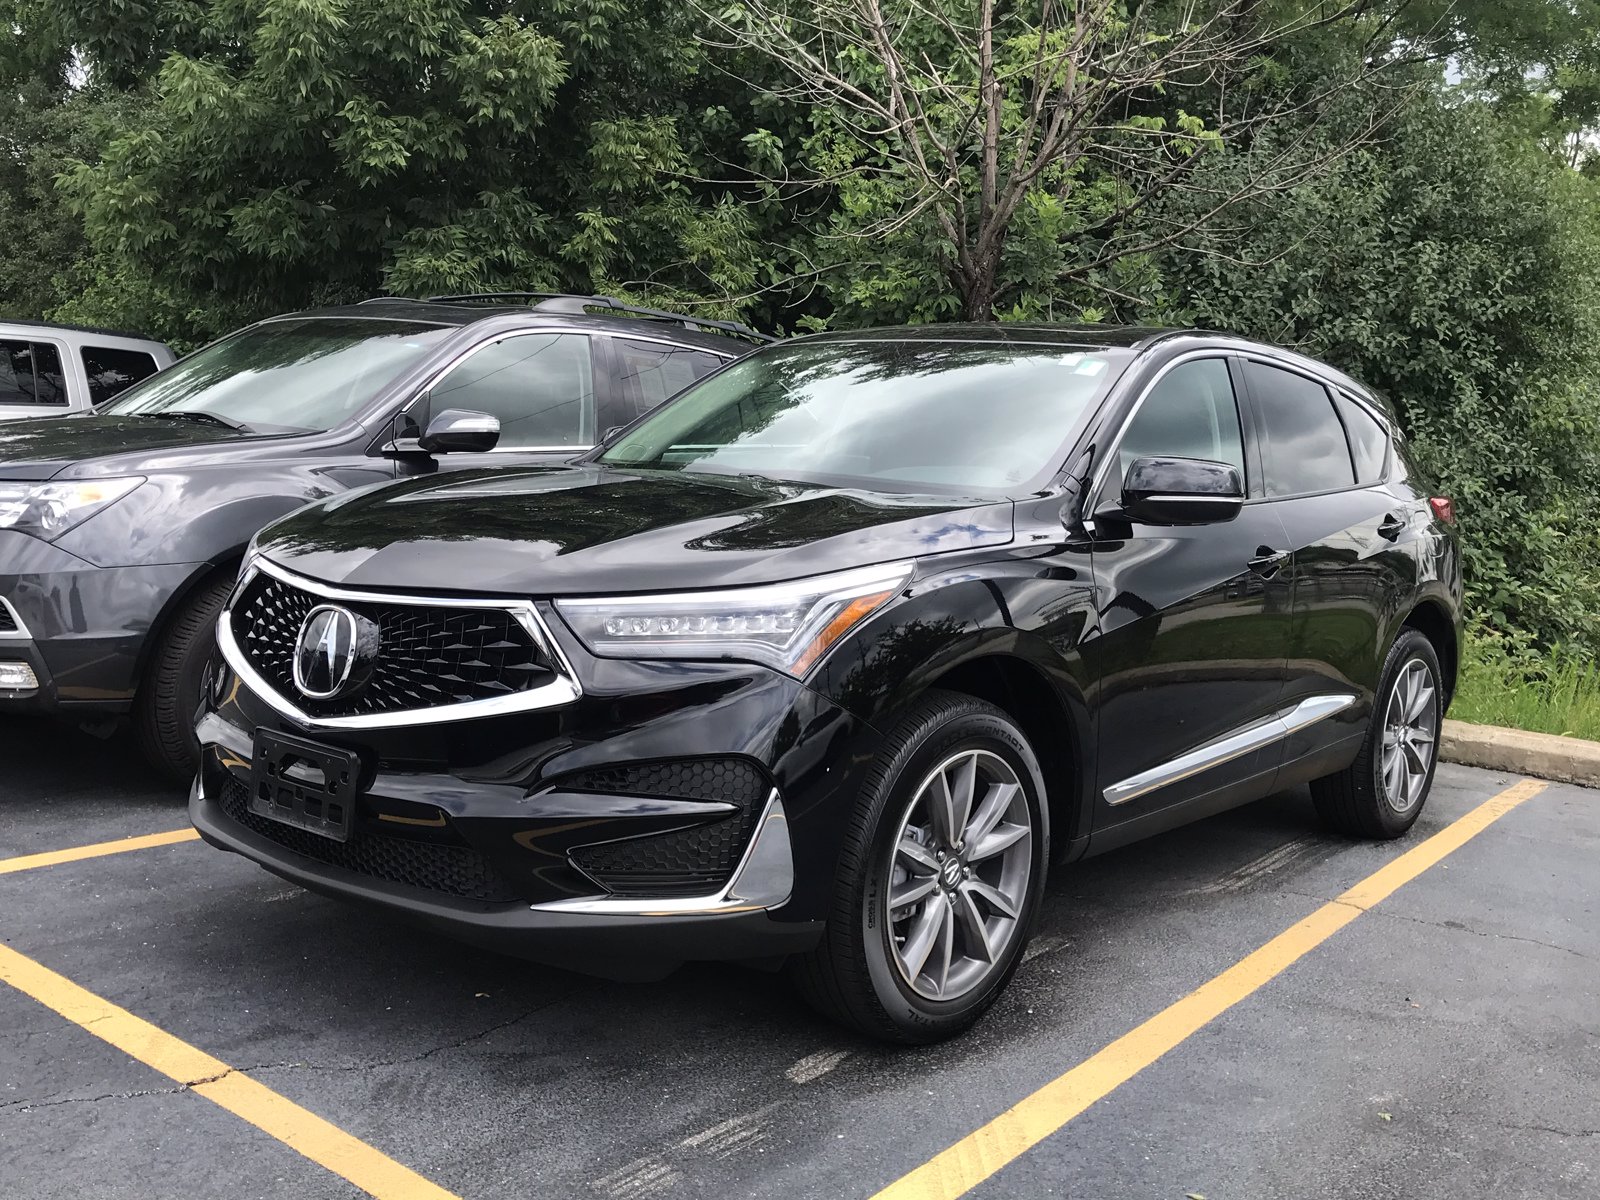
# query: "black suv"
(121, 531)
(833, 655)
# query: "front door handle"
(1391, 527)
(1267, 561)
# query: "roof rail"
(561, 302)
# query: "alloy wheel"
(1410, 736)
(963, 857)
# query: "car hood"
(547, 531)
(93, 445)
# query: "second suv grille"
(430, 655)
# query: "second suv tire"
(952, 824)
(1381, 794)
(165, 708)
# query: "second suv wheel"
(940, 877)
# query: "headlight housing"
(48, 510)
(789, 626)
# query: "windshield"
(892, 416)
(301, 375)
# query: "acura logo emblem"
(335, 652)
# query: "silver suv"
(50, 370)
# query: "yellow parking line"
(959, 1169)
(27, 862)
(323, 1143)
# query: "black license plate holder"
(305, 784)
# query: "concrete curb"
(1544, 755)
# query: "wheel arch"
(224, 566)
(1432, 620)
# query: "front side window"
(301, 375)
(1305, 448)
(111, 370)
(651, 372)
(914, 416)
(539, 386)
(1190, 413)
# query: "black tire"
(851, 976)
(1355, 801)
(164, 710)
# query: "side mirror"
(1181, 491)
(459, 431)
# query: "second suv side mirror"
(459, 431)
(1181, 491)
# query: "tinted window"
(1369, 443)
(1305, 448)
(539, 386)
(16, 373)
(110, 370)
(311, 373)
(1190, 413)
(650, 372)
(892, 416)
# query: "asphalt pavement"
(1444, 1043)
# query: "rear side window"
(539, 386)
(1305, 448)
(1369, 441)
(30, 373)
(650, 372)
(110, 370)
(1190, 413)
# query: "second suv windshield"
(283, 376)
(898, 417)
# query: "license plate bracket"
(305, 784)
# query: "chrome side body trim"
(21, 632)
(1225, 749)
(564, 689)
(764, 879)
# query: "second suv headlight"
(47, 510)
(789, 626)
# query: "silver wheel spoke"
(974, 929)
(944, 954)
(1421, 701)
(992, 896)
(924, 933)
(1002, 838)
(915, 854)
(1415, 763)
(913, 890)
(990, 812)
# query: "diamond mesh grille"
(453, 870)
(429, 655)
(685, 862)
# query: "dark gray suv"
(121, 530)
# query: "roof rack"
(560, 302)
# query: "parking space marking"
(960, 1168)
(51, 858)
(318, 1140)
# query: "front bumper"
(81, 628)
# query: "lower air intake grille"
(452, 870)
(685, 862)
(8, 622)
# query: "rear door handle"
(1267, 561)
(1391, 527)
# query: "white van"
(51, 370)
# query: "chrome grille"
(431, 655)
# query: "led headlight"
(789, 626)
(47, 510)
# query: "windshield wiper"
(206, 417)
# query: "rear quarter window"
(1369, 441)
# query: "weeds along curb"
(1544, 755)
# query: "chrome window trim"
(764, 879)
(1228, 747)
(21, 632)
(564, 689)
